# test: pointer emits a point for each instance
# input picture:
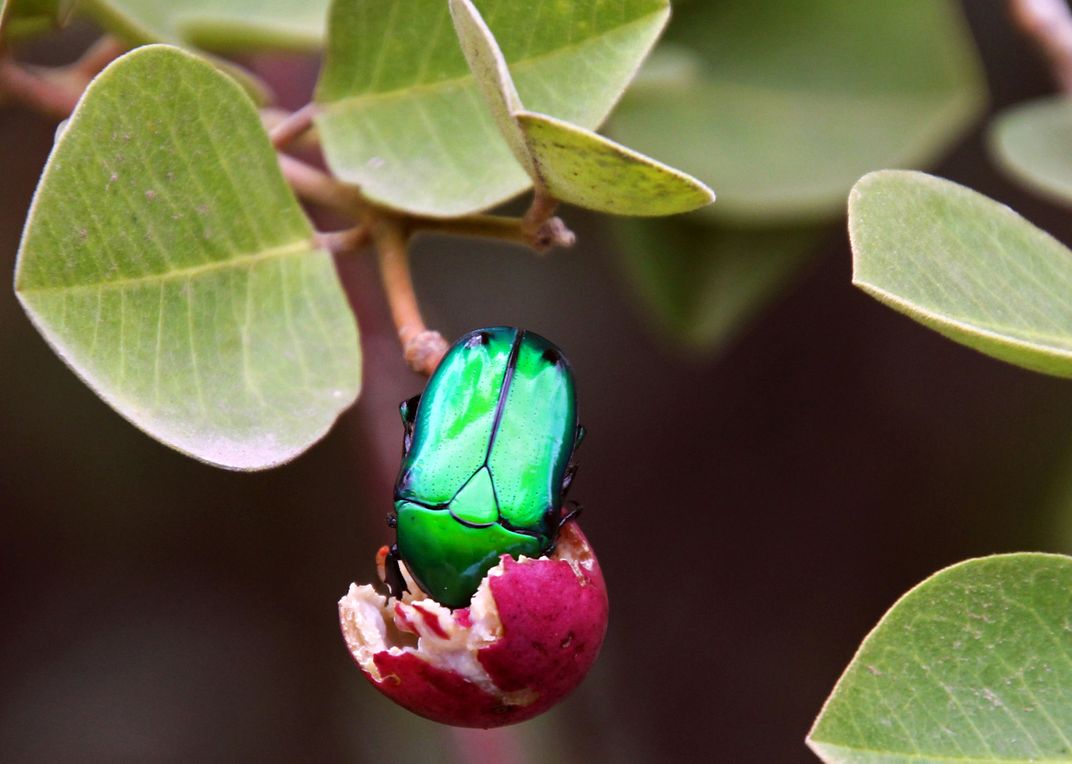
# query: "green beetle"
(486, 462)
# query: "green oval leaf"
(402, 115)
(702, 283)
(1032, 142)
(221, 25)
(574, 165)
(965, 266)
(790, 103)
(973, 665)
(167, 262)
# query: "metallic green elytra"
(486, 461)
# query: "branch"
(293, 126)
(542, 227)
(345, 242)
(54, 91)
(541, 210)
(422, 348)
(49, 95)
(101, 53)
(319, 188)
(1049, 24)
(552, 233)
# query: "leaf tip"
(708, 193)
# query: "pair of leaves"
(965, 266)
(404, 117)
(564, 161)
(168, 263)
(786, 105)
(973, 665)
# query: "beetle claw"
(575, 511)
(392, 574)
(567, 478)
(408, 410)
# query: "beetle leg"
(573, 514)
(571, 468)
(575, 510)
(408, 410)
(396, 584)
(567, 478)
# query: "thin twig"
(101, 53)
(293, 125)
(345, 242)
(540, 211)
(541, 226)
(422, 348)
(54, 91)
(320, 188)
(273, 116)
(1049, 24)
(495, 227)
(44, 94)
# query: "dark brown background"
(755, 512)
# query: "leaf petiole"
(293, 126)
(422, 348)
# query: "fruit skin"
(533, 631)
(486, 461)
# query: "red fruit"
(529, 636)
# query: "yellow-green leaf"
(580, 167)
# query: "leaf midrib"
(185, 273)
(432, 88)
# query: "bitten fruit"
(530, 634)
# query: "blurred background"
(759, 491)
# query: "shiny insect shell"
(486, 464)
